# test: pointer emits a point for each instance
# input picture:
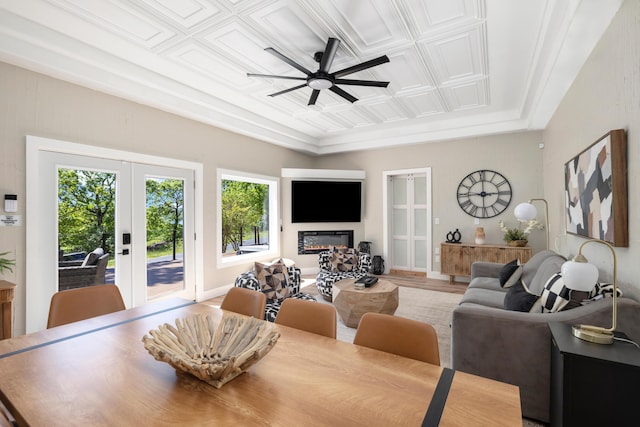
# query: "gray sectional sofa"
(514, 346)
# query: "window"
(247, 217)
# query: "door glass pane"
(399, 222)
(399, 191)
(86, 227)
(165, 236)
(420, 190)
(420, 254)
(420, 218)
(400, 256)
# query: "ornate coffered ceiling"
(457, 67)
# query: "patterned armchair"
(269, 281)
(335, 267)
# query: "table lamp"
(579, 274)
(527, 212)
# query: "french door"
(142, 215)
(408, 213)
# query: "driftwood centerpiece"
(213, 354)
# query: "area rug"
(419, 304)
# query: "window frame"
(274, 217)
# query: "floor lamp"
(527, 212)
(580, 275)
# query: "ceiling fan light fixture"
(319, 83)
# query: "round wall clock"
(484, 194)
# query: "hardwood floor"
(426, 283)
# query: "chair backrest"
(77, 304)
(245, 301)
(101, 269)
(308, 316)
(398, 335)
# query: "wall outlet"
(476, 221)
(437, 221)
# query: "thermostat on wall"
(11, 203)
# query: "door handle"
(124, 252)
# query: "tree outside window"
(247, 216)
(245, 210)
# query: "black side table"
(593, 384)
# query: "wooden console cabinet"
(6, 309)
(456, 258)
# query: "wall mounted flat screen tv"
(326, 201)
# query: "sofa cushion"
(93, 257)
(519, 298)
(273, 280)
(530, 268)
(485, 297)
(548, 267)
(344, 260)
(510, 274)
(490, 283)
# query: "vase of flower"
(518, 243)
(480, 236)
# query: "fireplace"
(313, 242)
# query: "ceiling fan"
(323, 79)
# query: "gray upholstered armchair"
(77, 274)
(333, 268)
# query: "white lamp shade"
(579, 276)
(525, 212)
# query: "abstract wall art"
(596, 190)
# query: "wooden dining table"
(97, 373)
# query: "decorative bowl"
(214, 354)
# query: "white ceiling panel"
(466, 95)
(438, 16)
(458, 57)
(185, 13)
(119, 18)
(407, 72)
(425, 104)
(454, 64)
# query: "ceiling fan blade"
(363, 66)
(314, 97)
(275, 77)
(288, 90)
(360, 82)
(342, 93)
(288, 60)
(329, 54)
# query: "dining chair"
(398, 335)
(245, 301)
(77, 304)
(6, 419)
(308, 316)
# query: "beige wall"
(605, 96)
(33, 104)
(516, 156)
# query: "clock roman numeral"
(502, 202)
